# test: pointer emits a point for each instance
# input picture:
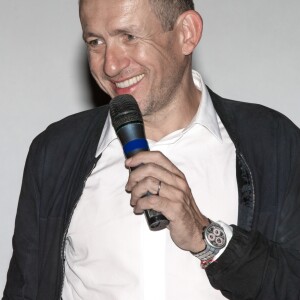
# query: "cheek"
(95, 62)
(150, 62)
(96, 69)
(155, 56)
(146, 53)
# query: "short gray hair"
(167, 11)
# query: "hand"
(175, 200)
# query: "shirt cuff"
(229, 232)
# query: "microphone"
(128, 123)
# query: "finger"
(142, 188)
(172, 210)
(150, 202)
(170, 201)
(155, 157)
(168, 191)
(158, 172)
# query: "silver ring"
(158, 188)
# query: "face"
(129, 52)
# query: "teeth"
(130, 81)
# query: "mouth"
(129, 82)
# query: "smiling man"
(131, 52)
(79, 233)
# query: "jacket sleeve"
(22, 276)
(256, 267)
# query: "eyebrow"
(127, 28)
(88, 34)
(131, 28)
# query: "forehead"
(112, 13)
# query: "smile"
(129, 82)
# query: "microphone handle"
(133, 139)
(156, 220)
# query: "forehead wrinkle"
(127, 21)
(124, 18)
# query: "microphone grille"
(123, 110)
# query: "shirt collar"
(108, 135)
(206, 116)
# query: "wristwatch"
(215, 239)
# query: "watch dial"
(216, 236)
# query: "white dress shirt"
(110, 252)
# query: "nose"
(116, 59)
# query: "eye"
(94, 43)
(130, 37)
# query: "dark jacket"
(262, 261)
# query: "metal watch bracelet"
(215, 239)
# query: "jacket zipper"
(62, 250)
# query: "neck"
(177, 115)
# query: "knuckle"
(174, 178)
(181, 196)
(183, 176)
(157, 154)
(150, 181)
(187, 189)
(183, 185)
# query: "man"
(76, 236)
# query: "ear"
(190, 26)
